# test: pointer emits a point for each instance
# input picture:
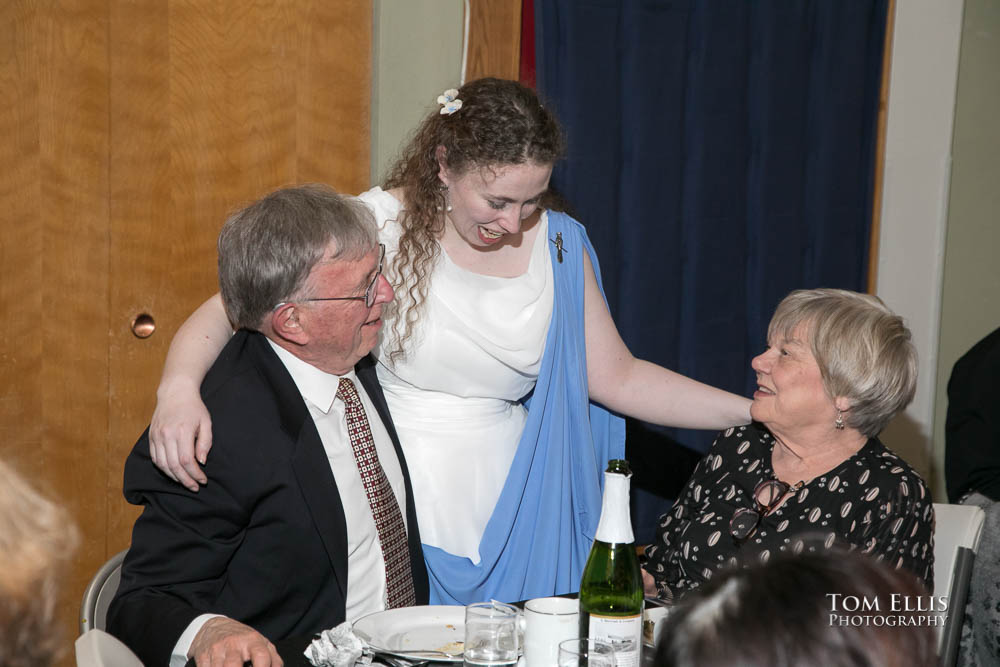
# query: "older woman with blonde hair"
(37, 539)
(839, 365)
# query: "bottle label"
(624, 633)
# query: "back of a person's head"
(829, 608)
(37, 539)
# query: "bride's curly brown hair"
(500, 123)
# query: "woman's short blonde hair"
(37, 540)
(863, 349)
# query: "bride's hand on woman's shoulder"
(180, 435)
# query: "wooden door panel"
(232, 105)
(224, 105)
(147, 258)
(135, 128)
(494, 39)
(73, 128)
(334, 95)
(73, 131)
(21, 428)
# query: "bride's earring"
(447, 198)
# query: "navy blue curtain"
(720, 154)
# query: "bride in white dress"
(477, 263)
(454, 397)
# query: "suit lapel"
(365, 370)
(309, 461)
(312, 469)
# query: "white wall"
(970, 303)
(417, 55)
(921, 110)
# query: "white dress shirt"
(366, 592)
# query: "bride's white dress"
(454, 398)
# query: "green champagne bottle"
(611, 597)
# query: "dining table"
(292, 649)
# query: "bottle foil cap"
(615, 526)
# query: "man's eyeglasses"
(369, 296)
(767, 496)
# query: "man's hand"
(223, 642)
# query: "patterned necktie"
(381, 500)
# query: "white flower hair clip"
(449, 101)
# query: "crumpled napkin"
(338, 647)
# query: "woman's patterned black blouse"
(873, 501)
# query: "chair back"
(100, 591)
(957, 529)
(96, 648)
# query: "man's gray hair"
(863, 349)
(267, 249)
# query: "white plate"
(407, 631)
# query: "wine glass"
(586, 653)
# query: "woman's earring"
(840, 421)
(447, 198)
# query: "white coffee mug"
(548, 621)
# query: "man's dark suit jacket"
(265, 541)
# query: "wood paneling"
(197, 135)
(73, 138)
(494, 39)
(21, 238)
(157, 255)
(334, 89)
(135, 128)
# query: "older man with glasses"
(308, 520)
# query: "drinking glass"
(491, 630)
(586, 653)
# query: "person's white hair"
(37, 540)
(267, 249)
(863, 349)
